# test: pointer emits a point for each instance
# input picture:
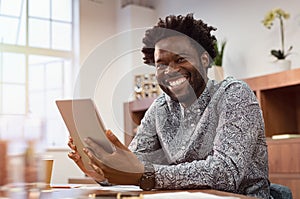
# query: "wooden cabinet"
(284, 163)
(279, 98)
(133, 113)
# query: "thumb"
(115, 141)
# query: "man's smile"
(175, 82)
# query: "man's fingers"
(77, 159)
(97, 169)
(74, 156)
(95, 148)
(115, 141)
(94, 157)
(95, 162)
(71, 144)
(90, 153)
(70, 139)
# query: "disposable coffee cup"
(47, 164)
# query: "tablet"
(83, 120)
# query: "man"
(199, 133)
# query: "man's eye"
(181, 60)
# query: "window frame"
(28, 50)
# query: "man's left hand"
(120, 167)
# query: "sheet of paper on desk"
(185, 195)
(119, 188)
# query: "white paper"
(116, 188)
(185, 195)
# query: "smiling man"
(180, 71)
(199, 133)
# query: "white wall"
(97, 23)
(239, 22)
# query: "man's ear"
(204, 58)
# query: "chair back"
(279, 191)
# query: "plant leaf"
(218, 60)
(278, 54)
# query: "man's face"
(179, 69)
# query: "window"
(36, 67)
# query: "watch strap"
(147, 181)
(149, 168)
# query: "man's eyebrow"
(181, 54)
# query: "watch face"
(147, 181)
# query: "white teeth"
(177, 82)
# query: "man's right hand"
(74, 155)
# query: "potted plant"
(268, 22)
(216, 71)
(218, 60)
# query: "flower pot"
(216, 73)
(282, 65)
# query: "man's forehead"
(174, 44)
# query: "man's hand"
(74, 155)
(119, 167)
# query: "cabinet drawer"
(284, 156)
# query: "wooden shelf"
(275, 80)
(133, 113)
(279, 97)
(140, 105)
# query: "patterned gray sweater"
(217, 142)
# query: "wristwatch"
(147, 181)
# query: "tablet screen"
(83, 120)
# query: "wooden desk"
(82, 180)
(89, 193)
